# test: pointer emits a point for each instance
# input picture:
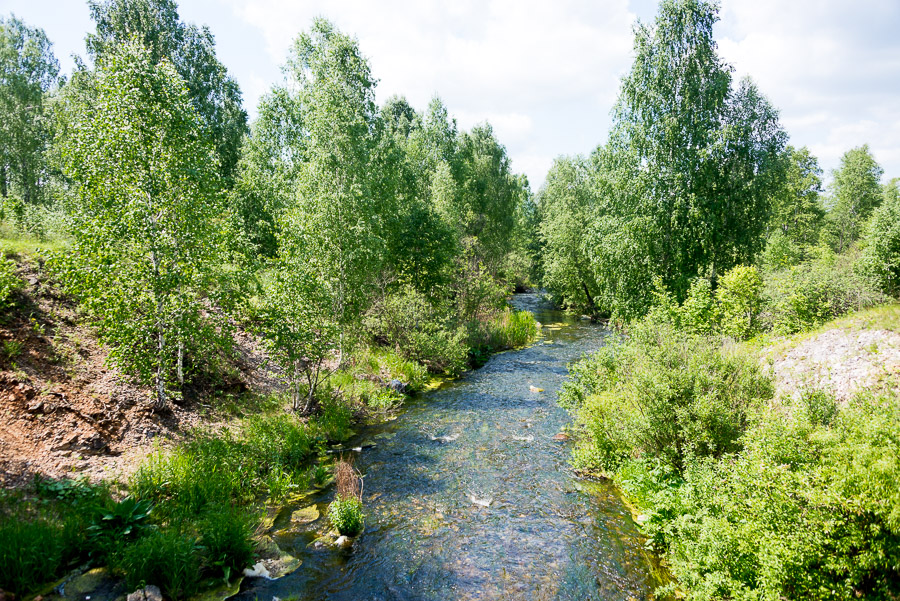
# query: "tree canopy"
(28, 71)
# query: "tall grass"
(507, 329)
(264, 458)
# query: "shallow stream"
(468, 496)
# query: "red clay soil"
(65, 412)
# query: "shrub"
(661, 394)
(813, 292)
(781, 252)
(820, 406)
(408, 322)
(334, 419)
(883, 243)
(802, 512)
(345, 512)
(739, 297)
(226, 534)
(118, 523)
(699, 312)
(9, 282)
(346, 515)
(165, 558)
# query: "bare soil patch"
(65, 412)
(853, 355)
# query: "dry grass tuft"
(348, 480)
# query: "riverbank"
(760, 468)
(83, 444)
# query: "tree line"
(697, 177)
(316, 219)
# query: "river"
(468, 496)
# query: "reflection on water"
(469, 497)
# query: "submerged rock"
(307, 515)
(148, 593)
(398, 386)
(485, 502)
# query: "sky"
(546, 74)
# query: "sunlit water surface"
(487, 437)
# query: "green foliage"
(147, 226)
(123, 521)
(28, 72)
(165, 558)
(299, 323)
(856, 191)
(825, 287)
(507, 329)
(661, 394)
(740, 300)
(882, 253)
(804, 511)
(9, 282)
(781, 252)
(796, 209)
(226, 535)
(683, 186)
(191, 50)
(820, 406)
(40, 539)
(346, 515)
(221, 469)
(565, 201)
(408, 322)
(30, 554)
(699, 314)
(340, 205)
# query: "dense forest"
(369, 248)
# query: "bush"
(226, 534)
(117, 524)
(781, 252)
(883, 243)
(739, 297)
(408, 322)
(802, 512)
(820, 406)
(346, 515)
(345, 512)
(9, 282)
(816, 291)
(165, 558)
(699, 312)
(661, 394)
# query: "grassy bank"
(745, 493)
(186, 519)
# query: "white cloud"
(546, 74)
(509, 62)
(831, 67)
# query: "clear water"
(487, 437)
